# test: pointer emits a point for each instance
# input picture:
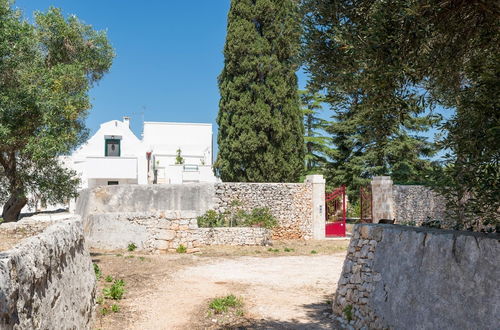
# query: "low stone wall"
(47, 281)
(417, 204)
(163, 231)
(401, 277)
(235, 236)
(290, 203)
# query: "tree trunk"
(13, 207)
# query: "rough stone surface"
(401, 277)
(164, 231)
(47, 281)
(417, 204)
(290, 203)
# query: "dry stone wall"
(47, 281)
(290, 203)
(164, 231)
(417, 204)
(401, 277)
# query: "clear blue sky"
(168, 57)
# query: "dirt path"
(277, 291)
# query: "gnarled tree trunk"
(13, 207)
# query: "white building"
(114, 155)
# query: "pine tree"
(316, 143)
(260, 123)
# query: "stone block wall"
(164, 231)
(417, 204)
(47, 281)
(290, 203)
(401, 277)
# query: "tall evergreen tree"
(260, 123)
(316, 143)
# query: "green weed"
(314, 252)
(115, 308)
(348, 312)
(109, 278)
(115, 291)
(104, 311)
(288, 250)
(181, 249)
(131, 247)
(221, 304)
(97, 271)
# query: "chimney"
(126, 120)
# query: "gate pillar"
(318, 202)
(382, 201)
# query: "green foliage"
(348, 312)
(179, 160)
(131, 247)
(1, 220)
(104, 311)
(181, 249)
(108, 278)
(288, 250)
(258, 217)
(97, 271)
(100, 300)
(115, 291)
(317, 144)
(222, 304)
(385, 65)
(46, 72)
(210, 219)
(115, 308)
(314, 252)
(260, 127)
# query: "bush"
(97, 271)
(115, 291)
(131, 247)
(211, 219)
(260, 217)
(221, 304)
(181, 249)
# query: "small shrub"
(260, 217)
(211, 219)
(288, 250)
(181, 249)
(348, 312)
(221, 304)
(131, 247)
(142, 258)
(314, 252)
(270, 250)
(99, 300)
(115, 291)
(97, 271)
(276, 250)
(115, 308)
(109, 278)
(104, 311)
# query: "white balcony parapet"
(111, 167)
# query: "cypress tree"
(261, 134)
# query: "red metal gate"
(365, 200)
(335, 207)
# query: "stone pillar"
(382, 200)
(318, 199)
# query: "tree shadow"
(319, 314)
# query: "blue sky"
(168, 57)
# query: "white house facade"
(115, 156)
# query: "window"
(112, 148)
(112, 183)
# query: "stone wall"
(290, 203)
(47, 281)
(163, 231)
(417, 204)
(401, 277)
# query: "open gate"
(365, 200)
(335, 207)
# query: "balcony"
(111, 167)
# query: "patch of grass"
(109, 278)
(181, 249)
(270, 250)
(129, 257)
(131, 247)
(104, 311)
(119, 255)
(142, 258)
(348, 312)
(314, 252)
(288, 250)
(115, 291)
(276, 250)
(99, 300)
(222, 304)
(97, 271)
(115, 308)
